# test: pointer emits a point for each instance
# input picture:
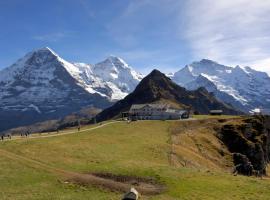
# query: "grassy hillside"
(32, 168)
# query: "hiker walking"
(79, 125)
(2, 137)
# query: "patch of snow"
(190, 68)
(51, 111)
(245, 69)
(35, 108)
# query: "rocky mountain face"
(42, 86)
(249, 142)
(242, 87)
(156, 87)
(112, 78)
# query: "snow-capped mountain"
(112, 78)
(42, 85)
(243, 87)
(118, 75)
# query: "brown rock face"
(249, 142)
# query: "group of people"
(3, 137)
(26, 134)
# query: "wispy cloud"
(229, 31)
(53, 37)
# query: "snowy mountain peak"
(112, 63)
(115, 71)
(117, 61)
(114, 67)
(189, 68)
(112, 78)
(207, 61)
(239, 86)
(41, 56)
(33, 65)
(240, 69)
(43, 52)
(42, 86)
(45, 49)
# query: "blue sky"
(147, 34)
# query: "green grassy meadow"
(141, 148)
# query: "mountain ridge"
(42, 85)
(243, 87)
(157, 87)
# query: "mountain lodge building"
(216, 112)
(156, 112)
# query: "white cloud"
(229, 31)
(262, 65)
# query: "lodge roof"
(216, 111)
(140, 106)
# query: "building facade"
(156, 112)
(216, 112)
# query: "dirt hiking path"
(54, 134)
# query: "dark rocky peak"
(207, 61)
(156, 87)
(202, 90)
(41, 56)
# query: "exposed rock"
(249, 141)
(242, 164)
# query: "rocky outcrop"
(242, 164)
(249, 141)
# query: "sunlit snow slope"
(243, 87)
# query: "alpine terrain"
(42, 86)
(242, 87)
(156, 87)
